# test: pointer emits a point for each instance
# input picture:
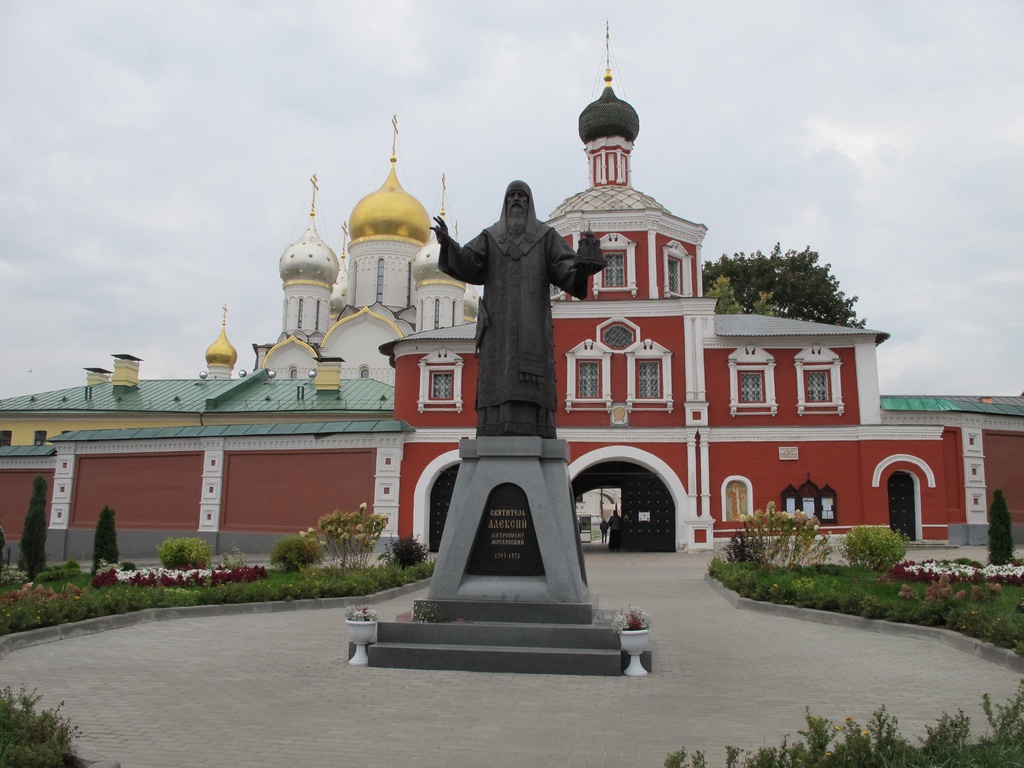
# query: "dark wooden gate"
(440, 500)
(648, 513)
(902, 512)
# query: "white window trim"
(818, 358)
(440, 361)
(588, 350)
(648, 350)
(725, 498)
(614, 241)
(752, 359)
(674, 250)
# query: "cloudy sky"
(155, 157)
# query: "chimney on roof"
(126, 371)
(987, 400)
(328, 374)
(95, 376)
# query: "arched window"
(437, 313)
(299, 325)
(317, 321)
(293, 373)
(364, 372)
(380, 281)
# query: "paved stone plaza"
(274, 689)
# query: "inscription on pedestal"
(506, 541)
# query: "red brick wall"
(153, 491)
(288, 491)
(1004, 468)
(15, 494)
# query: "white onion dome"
(470, 304)
(424, 263)
(390, 213)
(221, 352)
(309, 258)
(339, 296)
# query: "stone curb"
(986, 651)
(32, 637)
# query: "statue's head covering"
(499, 231)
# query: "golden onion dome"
(309, 258)
(390, 213)
(470, 304)
(221, 353)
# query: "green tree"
(792, 285)
(104, 543)
(1000, 530)
(722, 290)
(33, 539)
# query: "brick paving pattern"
(274, 689)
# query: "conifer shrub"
(1000, 530)
(874, 547)
(184, 553)
(104, 542)
(33, 539)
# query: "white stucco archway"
(421, 494)
(876, 478)
(651, 462)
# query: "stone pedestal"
(511, 535)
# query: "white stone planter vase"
(634, 642)
(360, 633)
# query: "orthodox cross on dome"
(344, 239)
(224, 317)
(607, 52)
(394, 137)
(444, 193)
(312, 207)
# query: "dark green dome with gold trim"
(609, 116)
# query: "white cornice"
(630, 221)
(597, 308)
(430, 346)
(822, 434)
(955, 419)
(784, 342)
(29, 462)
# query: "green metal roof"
(255, 393)
(318, 428)
(1004, 406)
(26, 450)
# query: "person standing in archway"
(615, 531)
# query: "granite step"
(498, 658)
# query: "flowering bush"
(292, 553)
(153, 577)
(875, 547)
(352, 536)
(361, 613)
(784, 539)
(184, 552)
(632, 619)
(33, 739)
(975, 573)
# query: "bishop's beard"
(515, 221)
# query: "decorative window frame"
(440, 361)
(588, 350)
(614, 241)
(674, 251)
(818, 358)
(725, 496)
(648, 350)
(752, 360)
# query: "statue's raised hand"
(441, 230)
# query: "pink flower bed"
(162, 577)
(976, 573)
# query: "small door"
(440, 500)
(902, 512)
